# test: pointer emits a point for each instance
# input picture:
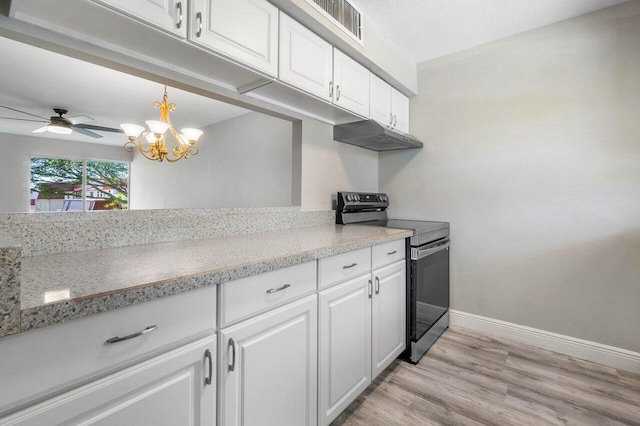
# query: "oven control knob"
(348, 197)
(357, 197)
(380, 198)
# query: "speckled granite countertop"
(65, 286)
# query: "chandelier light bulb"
(151, 137)
(191, 134)
(157, 127)
(132, 130)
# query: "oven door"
(429, 286)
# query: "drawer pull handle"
(392, 252)
(233, 355)
(179, 9)
(275, 290)
(377, 285)
(349, 266)
(199, 19)
(131, 336)
(207, 355)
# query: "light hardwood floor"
(468, 378)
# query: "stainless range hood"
(372, 135)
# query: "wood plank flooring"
(468, 378)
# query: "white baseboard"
(583, 349)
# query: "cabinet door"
(380, 101)
(268, 368)
(169, 15)
(388, 315)
(167, 390)
(400, 107)
(344, 366)
(306, 60)
(246, 30)
(351, 82)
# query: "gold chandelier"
(152, 143)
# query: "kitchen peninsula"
(179, 281)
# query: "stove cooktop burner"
(359, 208)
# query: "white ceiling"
(427, 29)
(36, 81)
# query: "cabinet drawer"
(39, 362)
(385, 254)
(248, 296)
(336, 269)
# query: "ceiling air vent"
(344, 13)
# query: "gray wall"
(532, 152)
(15, 162)
(329, 166)
(243, 162)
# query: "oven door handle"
(417, 254)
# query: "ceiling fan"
(63, 125)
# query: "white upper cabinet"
(351, 81)
(380, 102)
(388, 106)
(169, 15)
(245, 30)
(400, 108)
(306, 60)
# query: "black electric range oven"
(427, 266)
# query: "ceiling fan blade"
(24, 119)
(23, 112)
(40, 130)
(86, 132)
(99, 128)
(78, 119)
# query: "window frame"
(84, 178)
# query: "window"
(59, 184)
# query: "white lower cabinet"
(388, 315)
(362, 328)
(177, 388)
(268, 368)
(344, 365)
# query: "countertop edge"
(59, 312)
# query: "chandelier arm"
(178, 157)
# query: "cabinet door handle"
(199, 19)
(337, 92)
(207, 355)
(377, 285)
(179, 8)
(349, 266)
(395, 120)
(331, 90)
(370, 290)
(392, 252)
(233, 355)
(131, 336)
(390, 119)
(274, 290)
